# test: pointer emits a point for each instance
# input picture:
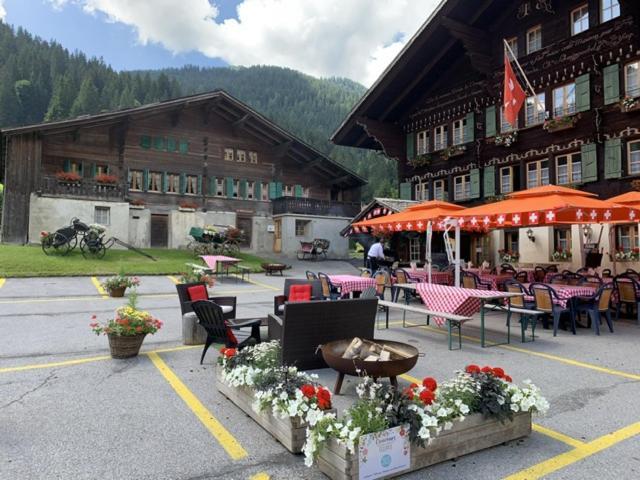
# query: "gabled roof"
(228, 107)
(393, 205)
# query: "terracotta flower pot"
(125, 346)
(117, 292)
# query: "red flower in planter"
(472, 369)
(229, 352)
(308, 391)
(408, 392)
(507, 378)
(486, 370)
(427, 397)
(105, 178)
(498, 372)
(430, 384)
(324, 398)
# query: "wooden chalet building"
(208, 151)
(437, 110)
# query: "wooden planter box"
(474, 434)
(290, 432)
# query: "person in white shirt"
(376, 252)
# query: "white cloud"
(353, 38)
(3, 12)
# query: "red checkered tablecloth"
(442, 278)
(495, 280)
(566, 292)
(351, 283)
(459, 301)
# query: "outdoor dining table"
(351, 283)
(461, 301)
(566, 293)
(442, 278)
(495, 280)
(220, 263)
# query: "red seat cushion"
(300, 293)
(197, 292)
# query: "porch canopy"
(415, 218)
(630, 199)
(544, 206)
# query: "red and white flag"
(514, 95)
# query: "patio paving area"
(68, 411)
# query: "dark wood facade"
(452, 70)
(209, 150)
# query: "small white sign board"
(384, 453)
(271, 228)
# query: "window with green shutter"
(405, 190)
(278, 189)
(229, 186)
(184, 146)
(171, 144)
(474, 178)
(490, 121)
(613, 158)
(164, 182)
(489, 181)
(183, 183)
(258, 187)
(298, 190)
(145, 180)
(411, 151)
(611, 80)
(583, 93)
(213, 186)
(243, 189)
(469, 127)
(199, 184)
(589, 159)
(158, 143)
(66, 165)
(145, 141)
(93, 170)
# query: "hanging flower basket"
(125, 346)
(629, 104)
(560, 123)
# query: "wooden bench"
(242, 271)
(452, 320)
(200, 268)
(526, 317)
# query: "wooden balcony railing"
(85, 189)
(311, 206)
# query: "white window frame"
(458, 131)
(562, 238)
(264, 192)
(422, 143)
(513, 43)
(191, 183)
(102, 170)
(506, 127)
(138, 175)
(509, 174)
(440, 138)
(567, 99)
(155, 182)
(220, 183)
(102, 215)
(573, 166)
(511, 237)
(439, 186)
(633, 157)
(241, 156)
(253, 157)
(537, 41)
(288, 190)
(421, 191)
(628, 232)
(632, 90)
(540, 172)
(609, 9)
(462, 187)
(236, 188)
(228, 154)
(581, 24)
(173, 183)
(534, 116)
(414, 249)
(251, 190)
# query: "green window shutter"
(611, 76)
(243, 189)
(183, 183)
(589, 160)
(158, 143)
(229, 184)
(258, 190)
(272, 190)
(199, 184)
(145, 141)
(183, 146)
(278, 189)
(145, 180)
(474, 175)
(298, 190)
(405, 190)
(489, 181)
(171, 144)
(583, 93)
(469, 127)
(93, 170)
(613, 158)
(66, 165)
(212, 186)
(165, 179)
(490, 121)
(411, 143)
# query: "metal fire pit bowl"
(332, 353)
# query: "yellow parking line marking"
(101, 290)
(228, 442)
(173, 279)
(579, 453)
(2, 281)
(259, 284)
(557, 358)
(260, 476)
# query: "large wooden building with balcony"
(437, 110)
(150, 173)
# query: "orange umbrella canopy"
(631, 199)
(414, 218)
(546, 205)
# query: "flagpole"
(524, 75)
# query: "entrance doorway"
(245, 224)
(159, 231)
(277, 236)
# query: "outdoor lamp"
(587, 231)
(530, 235)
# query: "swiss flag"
(514, 95)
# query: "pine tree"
(88, 99)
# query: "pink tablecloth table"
(567, 292)
(442, 278)
(351, 283)
(213, 261)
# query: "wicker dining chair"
(595, 306)
(539, 274)
(546, 299)
(522, 277)
(552, 269)
(383, 281)
(558, 279)
(471, 280)
(606, 273)
(365, 273)
(329, 290)
(310, 275)
(628, 290)
(507, 267)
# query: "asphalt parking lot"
(68, 411)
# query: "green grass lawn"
(30, 261)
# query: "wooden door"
(245, 224)
(159, 231)
(277, 236)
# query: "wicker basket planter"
(474, 434)
(290, 432)
(117, 292)
(125, 346)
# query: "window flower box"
(420, 160)
(290, 432)
(506, 139)
(187, 207)
(558, 124)
(68, 178)
(629, 104)
(473, 434)
(453, 151)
